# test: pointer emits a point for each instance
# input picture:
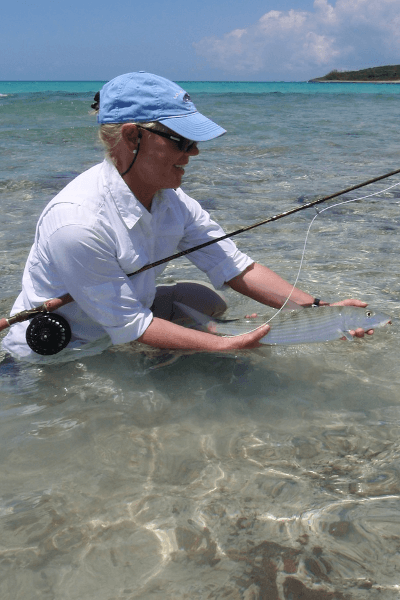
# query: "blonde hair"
(110, 134)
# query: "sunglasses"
(183, 143)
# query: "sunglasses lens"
(183, 143)
(186, 145)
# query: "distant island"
(387, 74)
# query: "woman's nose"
(193, 150)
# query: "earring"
(134, 151)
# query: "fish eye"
(368, 313)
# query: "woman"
(127, 212)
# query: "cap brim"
(194, 126)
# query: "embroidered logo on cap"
(186, 97)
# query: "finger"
(350, 302)
(261, 331)
(253, 338)
(361, 332)
(357, 332)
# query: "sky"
(201, 40)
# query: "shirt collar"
(129, 207)
(127, 204)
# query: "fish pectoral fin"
(346, 334)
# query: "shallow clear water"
(272, 474)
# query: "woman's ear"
(130, 136)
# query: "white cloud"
(349, 34)
(319, 48)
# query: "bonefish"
(305, 326)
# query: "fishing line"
(319, 212)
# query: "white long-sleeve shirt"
(94, 233)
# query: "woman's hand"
(360, 304)
(246, 341)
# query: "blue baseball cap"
(143, 97)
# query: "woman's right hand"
(244, 341)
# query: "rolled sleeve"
(228, 269)
(132, 330)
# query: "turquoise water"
(29, 87)
(210, 87)
(271, 474)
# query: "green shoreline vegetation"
(386, 74)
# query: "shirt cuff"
(132, 330)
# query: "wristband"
(316, 302)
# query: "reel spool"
(48, 334)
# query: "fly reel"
(48, 334)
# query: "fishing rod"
(50, 334)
